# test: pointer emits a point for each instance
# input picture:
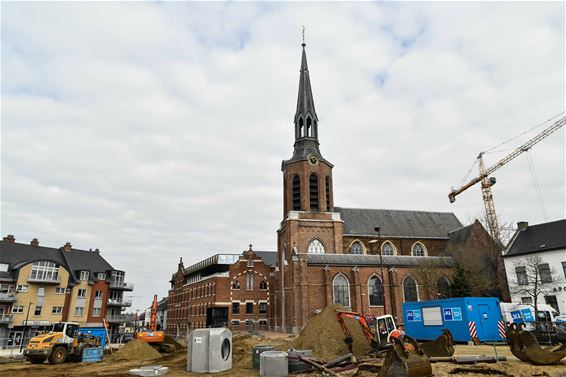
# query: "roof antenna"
(303, 27)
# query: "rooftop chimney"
(522, 225)
(68, 247)
(34, 242)
(9, 238)
(97, 251)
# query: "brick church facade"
(370, 260)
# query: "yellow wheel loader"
(59, 344)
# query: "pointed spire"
(305, 102)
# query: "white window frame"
(348, 290)
(425, 252)
(17, 309)
(81, 290)
(393, 248)
(96, 312)
(101, 276)
(21, 288)
(44, 270)
(57, 310)
(316, 247)
(416, 285)
(60, 290)
(4, 267)
(79, 313)
(99, 294)
(84, 275)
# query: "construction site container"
(273, 364)
(463, 316)
(92, 355)
(209, 350)
(256, 351)
(298, 365)
(100, 332)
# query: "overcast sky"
(156, 130)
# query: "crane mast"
(487, 182)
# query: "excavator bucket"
(443, 346)
(406, 360)
(526, 348)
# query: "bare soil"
(242, 363)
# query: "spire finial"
(303, 27)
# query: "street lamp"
(378, 231)
(25, 325)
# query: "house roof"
(20, 254)
(538, 238)
(375, 260)
(268, 257)
(398, 223)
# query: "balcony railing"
(5, 318)
(44, 279)
(8, 297)
(119, 318)
(121, 285)
(119, 302)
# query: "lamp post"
(25, 325)
(378, 230)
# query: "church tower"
(307, 176)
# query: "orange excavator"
(156, 339)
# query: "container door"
(487, 326)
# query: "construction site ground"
(242, 363)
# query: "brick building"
(225, 289)
(41, 285)
(371, 260)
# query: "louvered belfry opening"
(328, 194)
(296, 193)
(313, 185)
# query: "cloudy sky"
(156, 130)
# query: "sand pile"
(135, 350)
(324, 336)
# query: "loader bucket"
(441, 346)
(400, 362)
(539, 355)
(515, 343)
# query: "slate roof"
(19, 254)
(268, 257)
(539, 238)
(398, 223)
(374, 260)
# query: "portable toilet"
(465, 317)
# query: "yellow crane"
(487, 181)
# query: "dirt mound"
(324, 336)
(135, 350)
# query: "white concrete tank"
(209, 350)
(273, 364)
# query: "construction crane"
(487, 182)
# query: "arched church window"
(418, 250)
(315, 247)
(387, 249)
(356, 248)
(443, 287)
(328, 194)
(376, 292)
(296, 193)
(313, 185)
(341, 289)
(410, 291)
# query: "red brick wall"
(99, 285)
(304, 169)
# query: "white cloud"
(154, 131)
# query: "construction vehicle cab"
(58, 344)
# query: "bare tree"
(533, 278)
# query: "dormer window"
(4, 267)
(84, 275)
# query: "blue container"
(92, 355)
(100, 332)
(424, 320)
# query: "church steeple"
(306, 120)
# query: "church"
(369, 260)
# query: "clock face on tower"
(313, 159)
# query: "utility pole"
(25, 325)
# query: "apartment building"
(42, 285)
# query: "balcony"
(121, 285)
(8, 297)
(119, 302)
(119, 318)
(5, 319)
(44, 279)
